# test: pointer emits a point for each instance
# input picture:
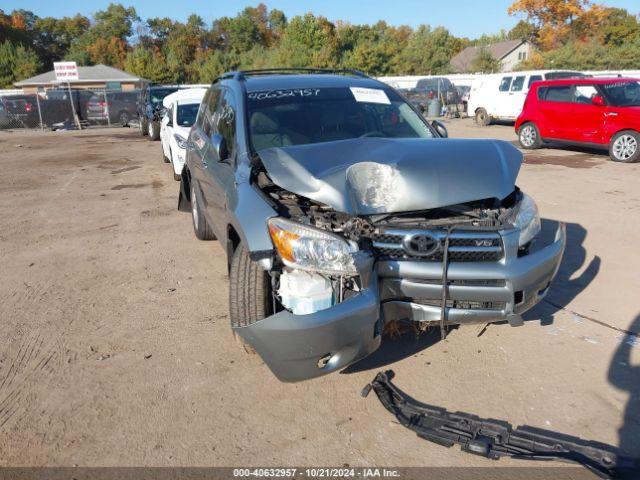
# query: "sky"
(465, 18)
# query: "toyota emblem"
(420, 244)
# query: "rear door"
(555, 103)
(220, 171)
(199, 146)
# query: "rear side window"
(557, 94)
(505, 84)
(517, 84)
(207, 111)
(224, 121)
(534, 78)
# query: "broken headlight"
(308, 248)
(527, 220)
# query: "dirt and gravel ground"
(116, 348)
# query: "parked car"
(181, 111)
(151, 110)
(21, 110)
(427, 89)
(604, 113)
(501, 96)
(117, 107)
(340, 209)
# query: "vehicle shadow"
(566, 285)
(396, 348)
(625, 375)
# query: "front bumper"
(300, 347)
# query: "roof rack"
(241, 74)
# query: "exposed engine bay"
(305, 292)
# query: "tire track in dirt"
(24, 371)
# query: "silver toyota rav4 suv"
(340, 208)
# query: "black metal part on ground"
(496, 438)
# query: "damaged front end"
(357, 245)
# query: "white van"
(500, 96)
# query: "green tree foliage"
(16, 62)
(429, 51)
(572, 33)
(485, 62)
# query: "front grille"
(464, 246)
(462, 304)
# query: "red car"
(584, 111)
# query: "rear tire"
(143, 125)
(123, 118)
(529, 136)
(482, 117)
(201, 227)
(625, 147)
(248, 292)
(154, 131)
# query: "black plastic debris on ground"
(495, 438)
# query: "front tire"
(201, 227)
(165, 159)
(248, 292)
(482, 117)
(625, 147)
(154, 131)
(529, 136)
(143, 125)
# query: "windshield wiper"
(495, 438)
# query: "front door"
(587, 119)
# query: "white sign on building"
(65, 71)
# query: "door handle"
(611, 114)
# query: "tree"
(619, 27)
(522, 31)
(557, 21)
(485, 62)
(429, 51)
(16, 63)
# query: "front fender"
(248, 213)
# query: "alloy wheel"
(528, 136)
(625, 147)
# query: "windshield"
(623, 94)
(157, 94)
(279, 118)
(186, 114)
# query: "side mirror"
(219, 146)
(597, 100)
(440, 128)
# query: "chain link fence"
(66, 109)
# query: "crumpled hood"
(366, 176)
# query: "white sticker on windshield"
(370, 95)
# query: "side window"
(505, 84)
(517, 84)
(584, 94)
(534, 78)
(224, 120)
(207, 112)
(559, 94)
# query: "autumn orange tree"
(557, 21)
